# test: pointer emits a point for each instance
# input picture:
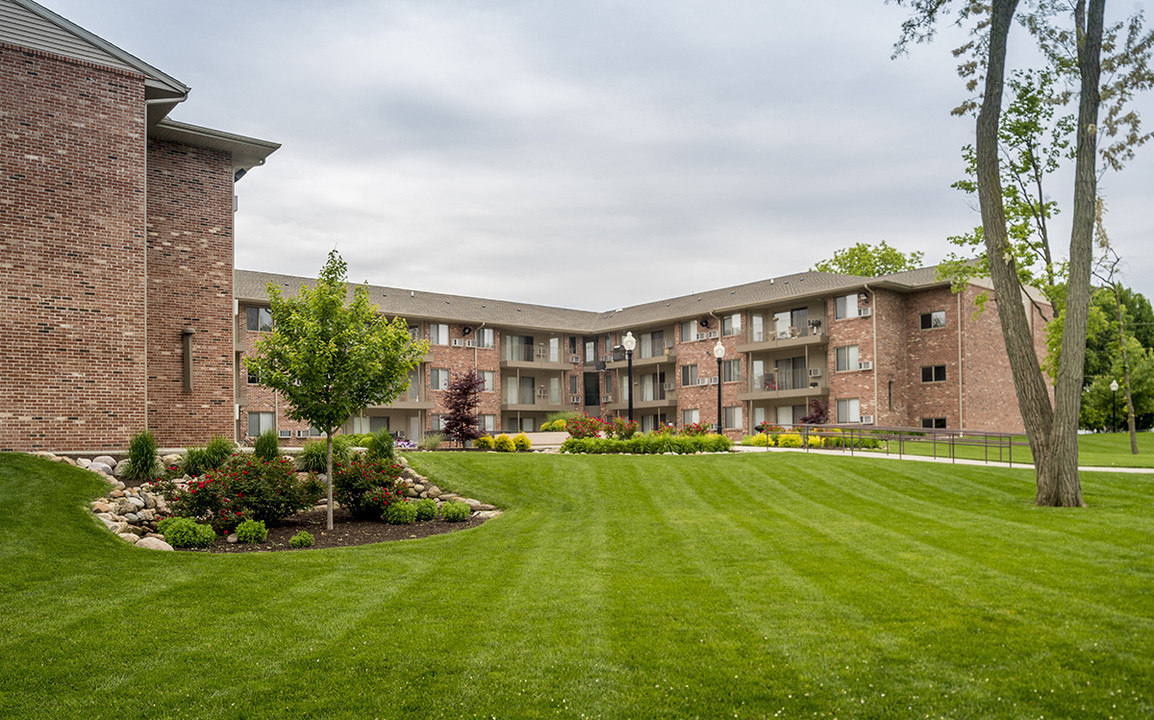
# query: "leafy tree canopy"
(870, 260)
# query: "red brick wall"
(72, 254)
(858, 331)
(190, 263)
(930, 348)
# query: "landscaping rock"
(105, 460)
(153, 542)
(83, 462)
(100, 467)
(128, 538)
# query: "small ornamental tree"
(330, 357)
(461, 401)
(818, 412)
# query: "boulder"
(152, 542)
(105, 460)
(120, 468)
(128, 538)
(100, 467)
(83, 462)
(434, 491)
(99, 506)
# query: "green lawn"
(1098, 450)
(744, 586)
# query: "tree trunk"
(1029, 384)
(1125, 372)
(329, 476)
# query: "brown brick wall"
(190, 263)
(72, 254)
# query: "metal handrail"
(949, 440)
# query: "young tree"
(330, 358)
(461, 401)
(1075, 53)
(870, 260)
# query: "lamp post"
(629, 344)
(719, 352)
(1114, 406)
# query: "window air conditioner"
(714, 380)
(575, 399)
(667, 344)
(575, 359)
(542, 392)
(865, 311)
(470, 343)
(457, 342)
(815, 372)
(866, 419)
(669, 386)
(606, 398)
(702, 381)
(865, 365)
(302, 433)
(541, 352)
(714, 334)
(604, 358)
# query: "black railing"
(939, 442)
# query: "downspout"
(961, 407)
(874, 319)
(475, 348)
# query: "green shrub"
(789, 440)
(367, 486)
(198, 461)
(426, 509)
(650, 444)
(455, 511)
(267, 445)
(585, 426)
(314, 454)
(485, 442)
(183, 532)
(251, 531)
(360, 440)
(759, 440)
(303, 539)
(245, 487)
(503, 443)
(142, 461)
(431, 441)
(401, 513)
(380, 445)
(621, 429)
(521, 442)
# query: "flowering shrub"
(622, 429)
(367, 486)
(584, 426)
(693, 429)
(244, 487)
(521, 442)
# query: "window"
(436, 422)
(845, 306)
(439, 379)
(414, 332)
(519, 348)
(438, 334)
(360, 425)
(731, 416)
(377, 424)
(934, 373)
(489, 380)
(891, 395)
(259, 318)
(555, 349)
(935, 319)
(849, 410)
(757, 323)
(731, 324)
(653, 387)
(933, 422)
(253, 378)
(485, 338)
(488, 423)
(731, 370)
(258, 422)
(590, 351)
(652, 344)
(572, 344)
(847, 358)
(688, 417)
(688, 375)
(688, 330)
(574, 384)
(608, 384)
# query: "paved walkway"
(925, 458)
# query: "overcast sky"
(589, 154)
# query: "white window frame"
(851, 357)
(439, 379)
(845, 307)
(849, 410)
(438, 334)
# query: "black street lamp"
(719, 352)
(1114, 406)
(629, 343)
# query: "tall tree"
(329, 357)
(461, 402)
(1075, 53)
(870, 260)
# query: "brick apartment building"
(122, 310)
(900, 350)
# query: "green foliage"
(1102, 408)
(585, 426)
(198, 461)
(367, 486)
(267, 445)
(485, 442)
(431, 441)
(183, 532)
(758, 440)
(251, 531)
(621, 429)
(244, 487)
(870, 260)
(503, 443)
(461, 401)
(455, 511)
(380, 446)
(789, 440)
(553, 425)
(142, 461)
(521, 442)
(649, 444)
(303, 539)
(401, 512)
(329, 357)
(314, 454)
(426, 509)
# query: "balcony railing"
(797, 379)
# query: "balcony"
(529, 358)
(408, 401)
(784, 338)
(668, 355)
(664, 399)
(784, 384)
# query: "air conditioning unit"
(471, 343)
(702, 381)
(458, 342)
(669, 386)
(865, 365)
(542, 392)
(542, 352)
(866, 419)
(815, 372)
(714, 380)
(575, 399)
(714, 334)
(865, 311)
(606, 398)
(604, 358)
(575, 359)
(667, 344)
(302, 433)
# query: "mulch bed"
(346, 532)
